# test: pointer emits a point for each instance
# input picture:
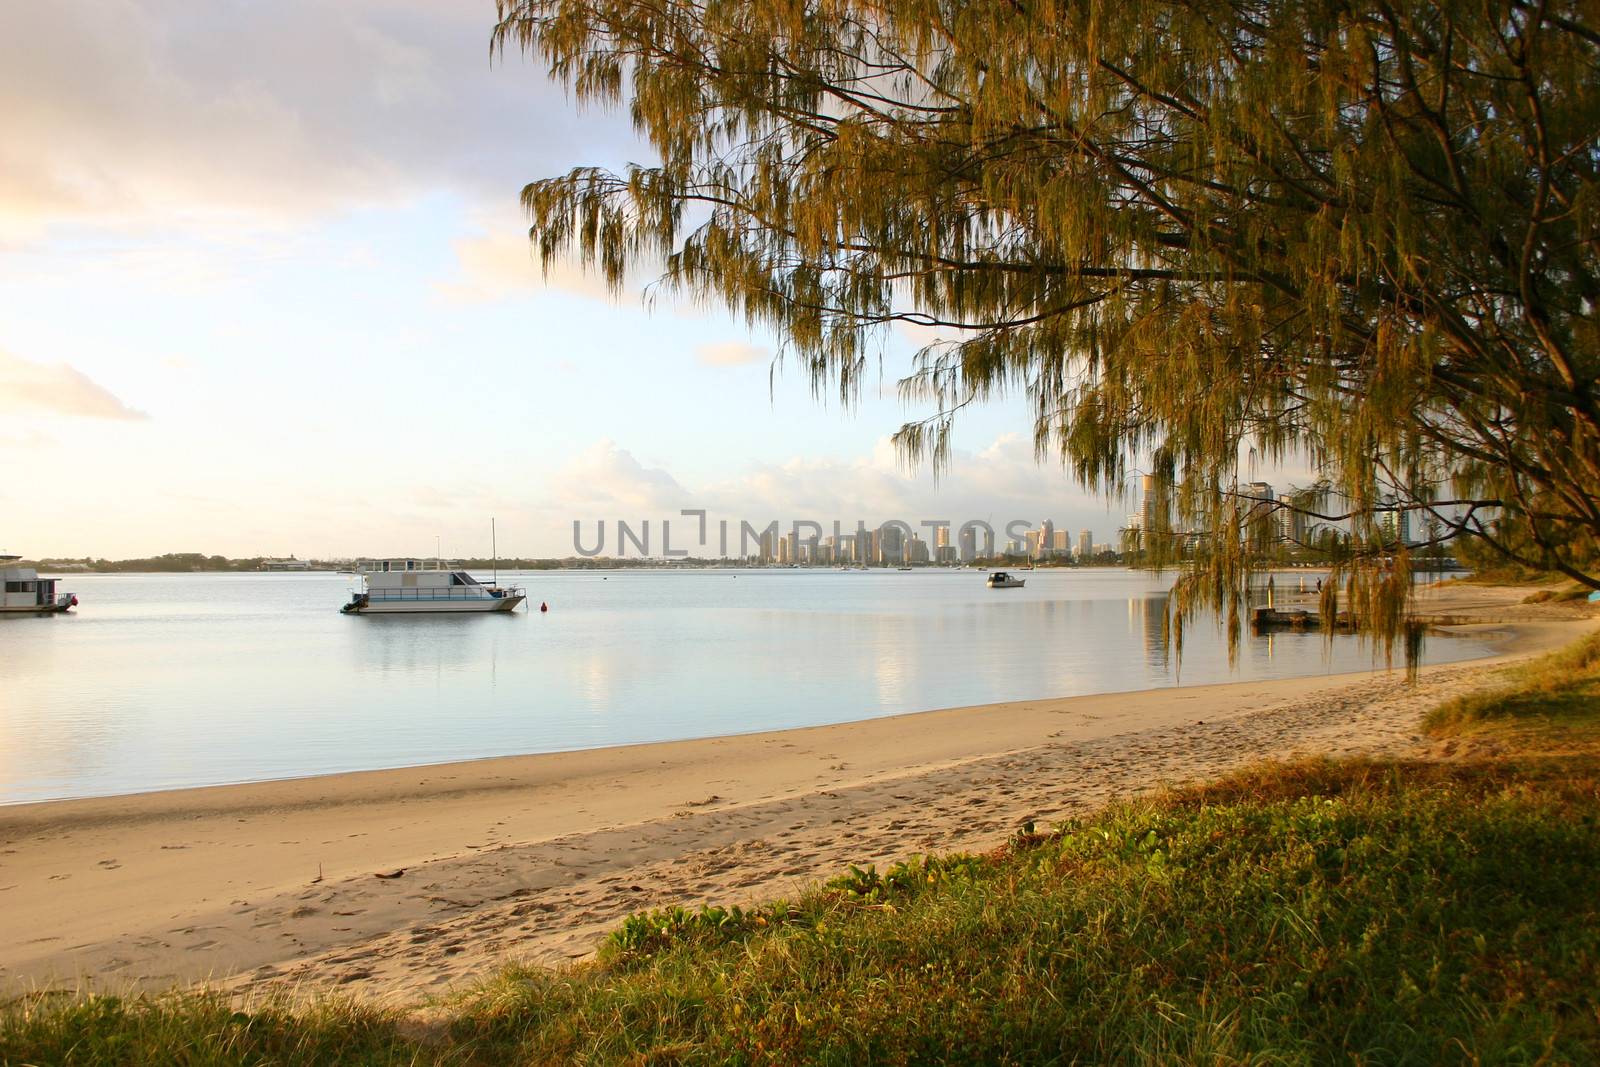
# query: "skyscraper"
(1155, 517)
(892, 546)
(1085, 544)
(1047, 539)
(968, 543)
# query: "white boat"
(425, 587)
(1002, 580)
(25, 593)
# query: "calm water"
(161, 681)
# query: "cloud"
(206, 115)
(999, 483)
(28, 388)
(606, 478)
(502, 264)
(731, 354)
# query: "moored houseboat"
(425, 586)
(25, 593)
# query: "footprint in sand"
(109, 865)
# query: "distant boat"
(424, 587)
(1002, 580)
(902, 568)
(25, 593)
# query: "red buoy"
(543, 606)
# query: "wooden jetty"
(1267, 620)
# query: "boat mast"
(494, 546)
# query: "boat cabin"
(426, 585)
(21, 589)
(433, 574)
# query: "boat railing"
(470, 592)
(404, 566)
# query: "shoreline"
(1498, 637)
(1492, 634)
(535, 857)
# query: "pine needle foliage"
(1362, 234)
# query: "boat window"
(19, 587)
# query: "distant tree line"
(171, 562)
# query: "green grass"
(1548, 702)
(1510, 574)
(1322, 911)
(1556, 596)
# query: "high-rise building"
(1047, 539)
(1085, 544)
(1396, 522)
(1257, 509)
(1155, 513)
(967, 542)
(1292, 524)
(917, 551)
(891, 544)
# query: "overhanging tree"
(1359, 235)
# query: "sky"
(265, 289)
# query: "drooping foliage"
(1363, 236)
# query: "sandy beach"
(398, 884)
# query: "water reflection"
(194, 679)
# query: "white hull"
(436, 607)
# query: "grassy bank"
(1395, 912)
